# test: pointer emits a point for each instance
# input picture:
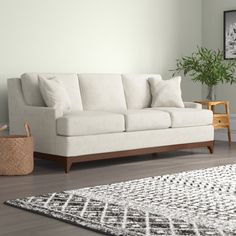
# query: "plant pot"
(211, 93)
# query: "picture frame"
(229, 35)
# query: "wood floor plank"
(49, 177)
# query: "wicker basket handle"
(27, 129)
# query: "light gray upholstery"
(186, 117)
(32, 93)
(42, 120)
(90, 122)
(166, 93)
(145, 119)
(102, 92)
(97, 131)
(83, 145)
(137, 90)
(192, 105)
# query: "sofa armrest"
(42, 113)
(192, 105)
(42, 120)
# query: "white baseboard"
(221, 134)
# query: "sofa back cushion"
(33, 96)
(102, 92)
(137, 90)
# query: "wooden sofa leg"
(211, 148)
(67, 165)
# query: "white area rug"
(201, 202)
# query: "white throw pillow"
(166, 93)
(54, 94)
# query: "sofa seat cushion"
(89, 123)
(186, 117)
(146, 119)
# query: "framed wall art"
(230, 34)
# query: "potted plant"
(208, 67)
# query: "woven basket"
(16, 153)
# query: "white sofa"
(111, 117)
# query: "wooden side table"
(220, 120)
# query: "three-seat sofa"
(111, 117)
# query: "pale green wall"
(212, 37)
(141, 36)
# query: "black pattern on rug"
(194, 203)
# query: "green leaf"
(207, 66)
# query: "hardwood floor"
(49, 177)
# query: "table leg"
(229, 135)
